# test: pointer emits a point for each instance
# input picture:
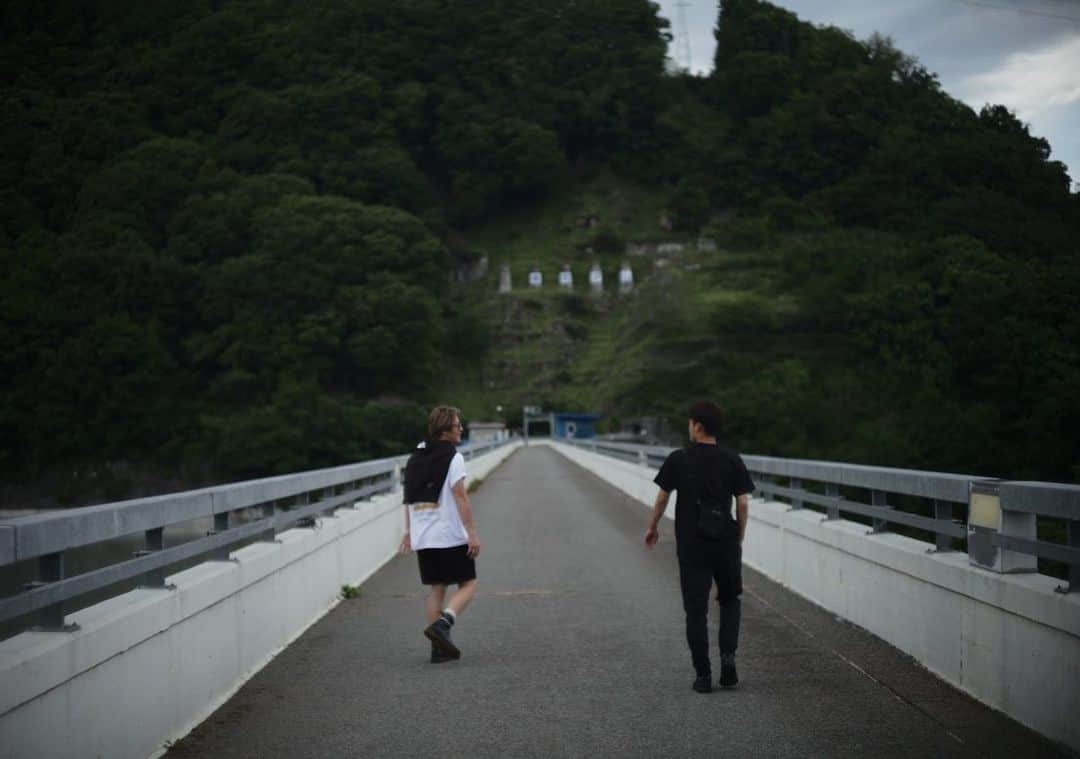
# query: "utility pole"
(527, 414)
(683, 57)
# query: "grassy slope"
(608, 354)
(709, 323)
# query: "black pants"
(699, 567)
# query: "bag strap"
(697, 483)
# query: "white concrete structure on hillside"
(596, 279)
(566, 278)
(626, 279)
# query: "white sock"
(450, 615)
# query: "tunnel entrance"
(538, 428)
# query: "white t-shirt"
(441, 527)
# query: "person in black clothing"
(708, 539)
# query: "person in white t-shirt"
(439, 527)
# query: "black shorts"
(446, 566)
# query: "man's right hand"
(651, 536)
(406, 544)
(474, 546)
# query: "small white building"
(566, 277)
(626, 279)
(536, 279)
(487, 432)
(596, 279)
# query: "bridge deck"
(574, 647)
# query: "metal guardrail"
(1001, 530)
(284, 501)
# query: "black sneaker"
(438, 657)
(703, 684)
(729, 677)
(438, 632)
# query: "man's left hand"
(652, 535)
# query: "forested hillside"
(227, 231)
(915, 288)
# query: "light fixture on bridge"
(990, 526)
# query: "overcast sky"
(1024, 54)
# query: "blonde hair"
(441, 419)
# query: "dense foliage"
(222, 223)
(935, 247)
(227, 228)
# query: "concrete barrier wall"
(1008, 640)
(147, 666)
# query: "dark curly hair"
(708, 415)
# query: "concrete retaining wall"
(1008, 640)
(147, 666)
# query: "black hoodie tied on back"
(426, 471)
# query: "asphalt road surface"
(574, 646)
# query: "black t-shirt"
(723, 470)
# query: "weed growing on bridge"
(349, 591)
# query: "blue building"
(564, 425)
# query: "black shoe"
(703, 684)
(438, 657)
(438, 632)
(729, 677)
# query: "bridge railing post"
(795, 484)
(305, 499)
(943, 512)
(51, 618)
(832, 512)
(155, 542)
(269, 535)
(880, 498)
(221, 524)
(1072, 538)
(328, 494)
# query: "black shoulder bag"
(714, 520)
